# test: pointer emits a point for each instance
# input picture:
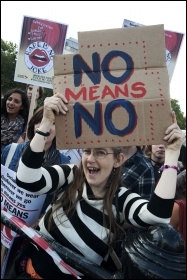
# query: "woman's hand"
(55, 104)
(174, 135)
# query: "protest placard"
(40, 40)
(117, 87)
(173, 41)
(18, 202)
(74, 155)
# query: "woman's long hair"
(69, 199)
(24, 112)
(53, 154)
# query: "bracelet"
(163, 167)
(45, 134)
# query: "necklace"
(157, 164)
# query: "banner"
(18, 202)
(40, 41)
(73, 155)
(173, 41)
(117, 88)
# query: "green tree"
(9, 53)
(181, 119)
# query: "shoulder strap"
(10, 153)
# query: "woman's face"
(52, 133)
(97, 170)
(30, 92)
(14, 104)
(158, 152)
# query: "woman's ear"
(119, 160)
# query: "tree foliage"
(181, 119)
(9, 53)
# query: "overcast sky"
(95, 15)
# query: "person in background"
(178, 218)
(156, 155)
(51, 156)
(137, 172)
(182, 157)
(91, 206)
(39, 94)
(14, 116)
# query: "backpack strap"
(10, 153)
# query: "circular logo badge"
(39, 57)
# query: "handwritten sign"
(117, 87)
(18, 202)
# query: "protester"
(91, 206)
(178, 218)
(14, 116)
(39, 94)
(51, 156)
(182, 157)
(156, 155)
(137, 172)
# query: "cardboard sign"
(40, 40)
(173, 41)
(117, 87)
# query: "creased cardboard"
(117, 87)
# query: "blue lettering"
(105, 67)
(93, 122)
(128, 106)
(96, 124)
(80, 65)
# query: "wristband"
(163, 167)
(45, 134)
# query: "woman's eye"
(100, 153)
(88, 152)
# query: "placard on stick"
(117, 87)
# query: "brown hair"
(36, 118)
(40, 91)
(148, 150)
(181, 185)
(69, 199)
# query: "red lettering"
(107, 91)
(124, 91)
(70, 94)
(93, 93)
(138, 86)
(93, 90)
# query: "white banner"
(74, 155)
(18, 202)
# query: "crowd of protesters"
(79, 195)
